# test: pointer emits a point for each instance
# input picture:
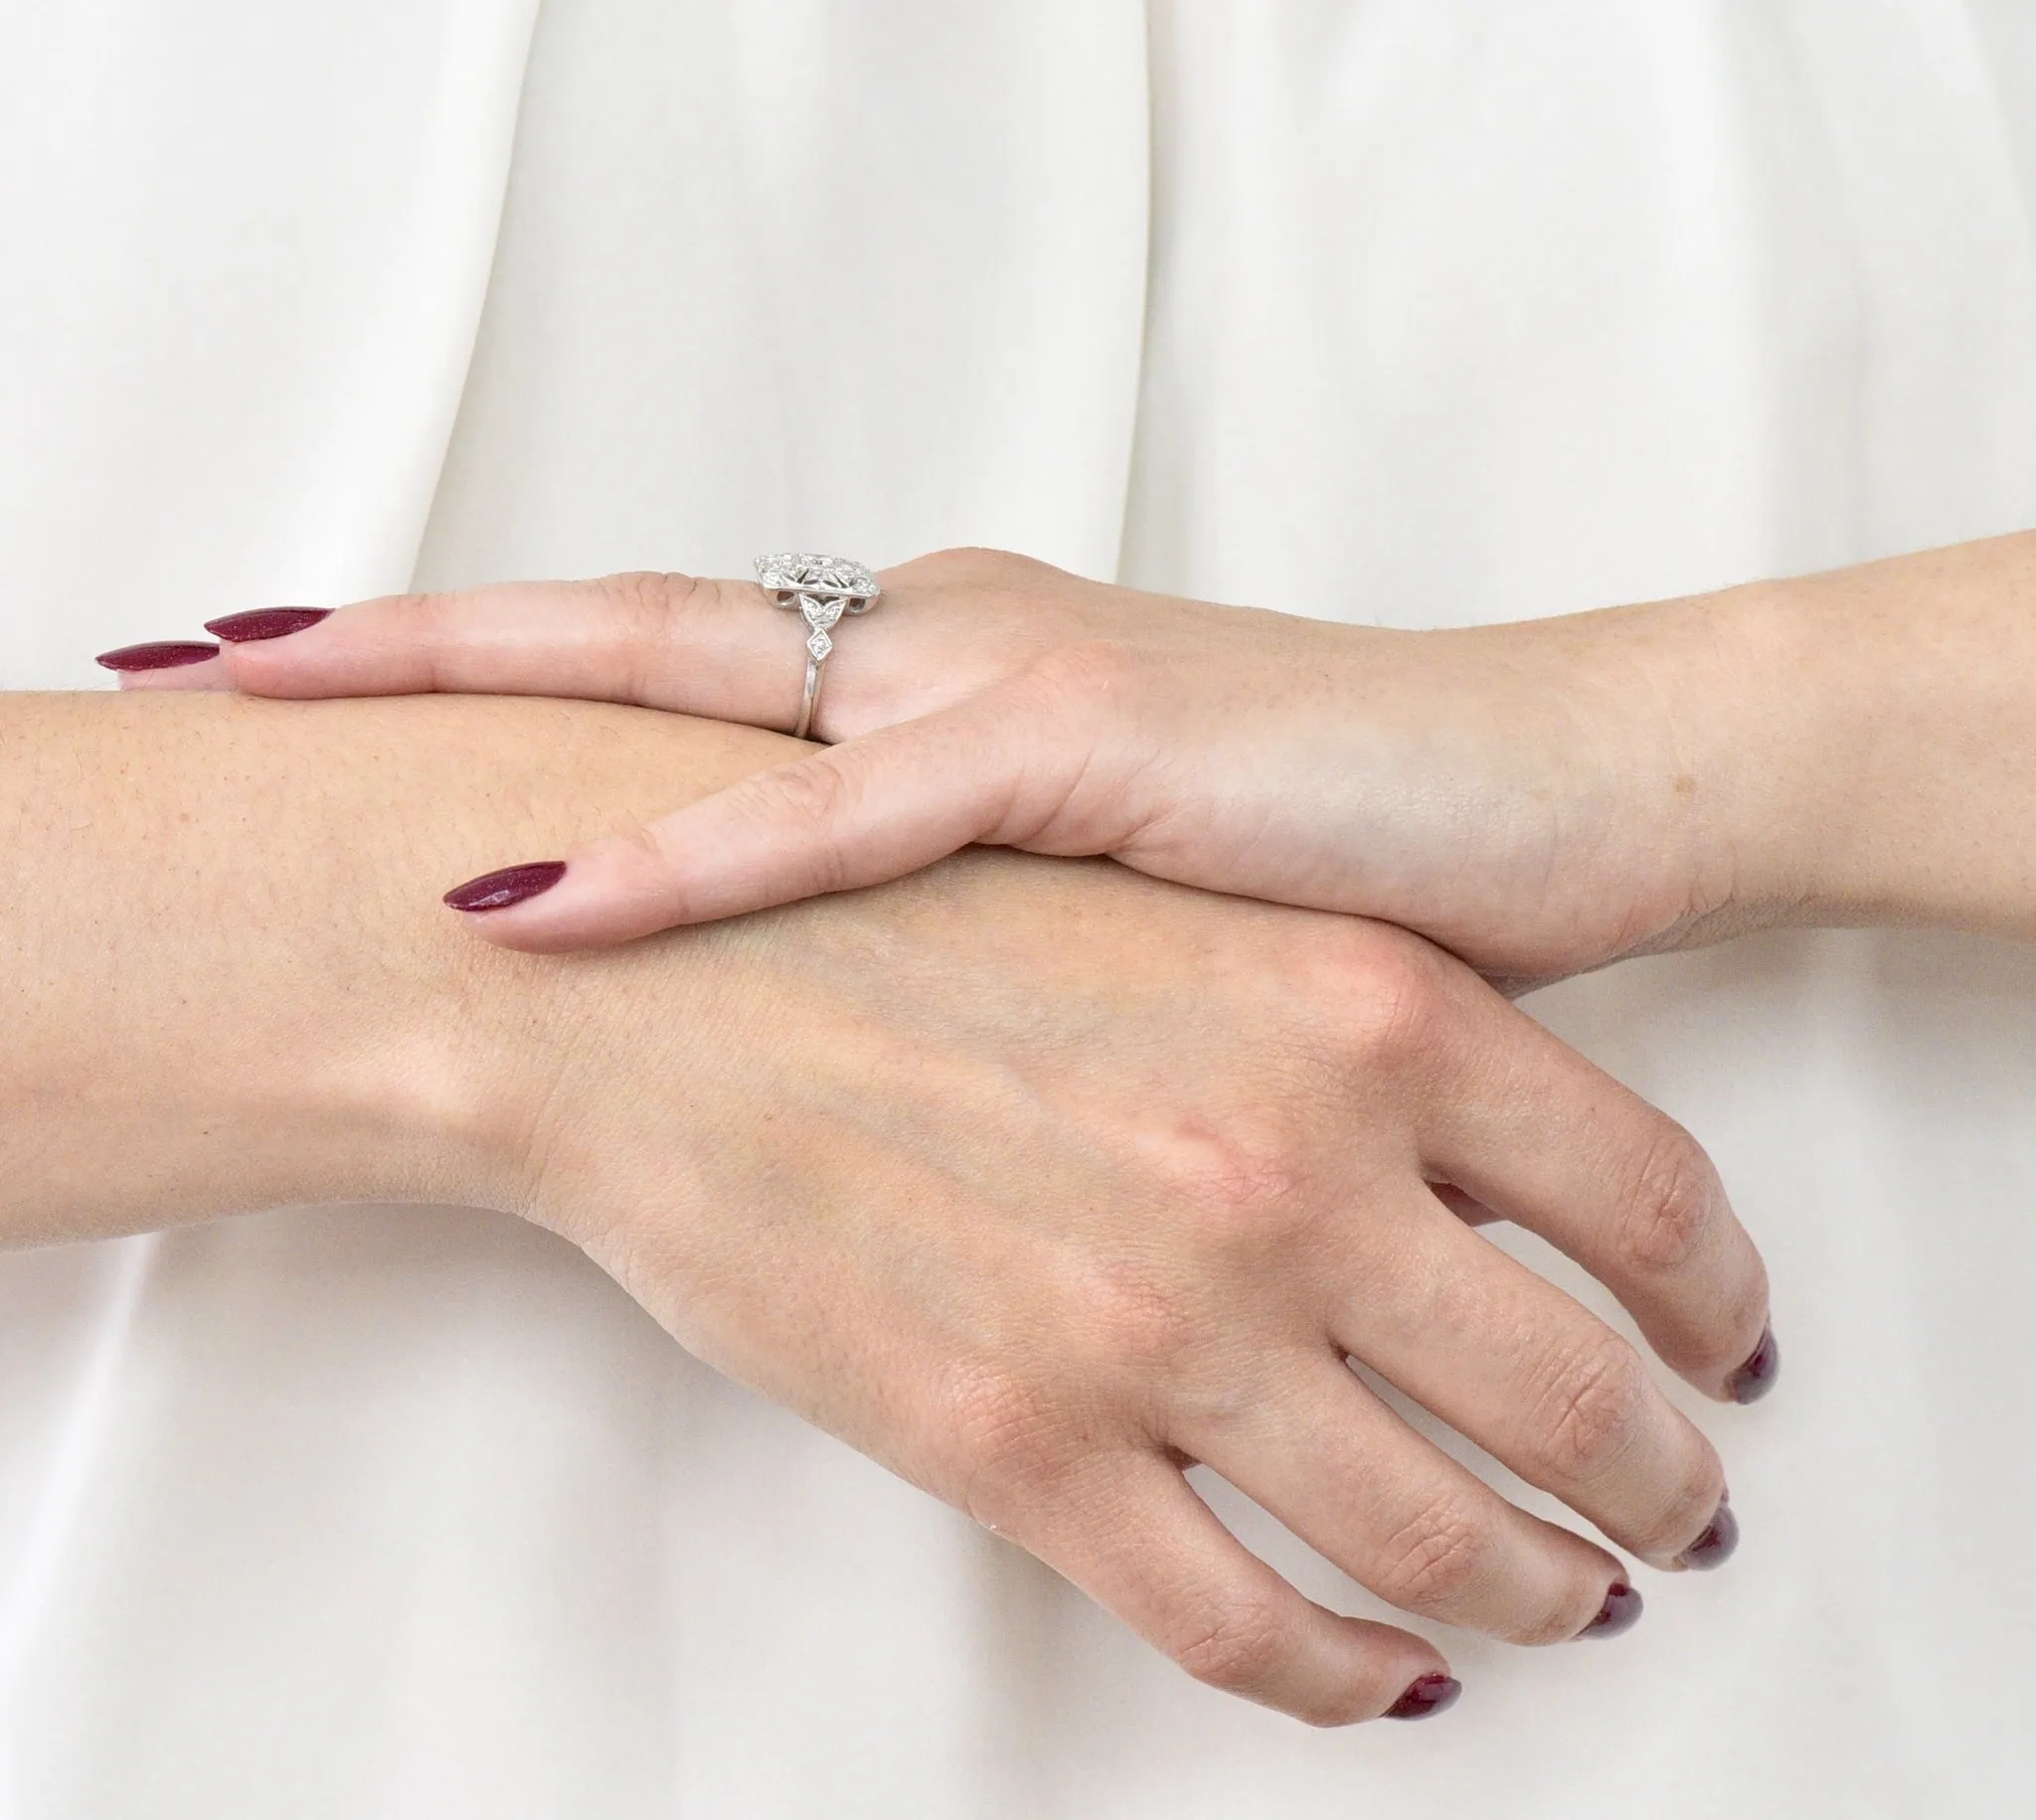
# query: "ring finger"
(1323, 1454)
(1533, 1378)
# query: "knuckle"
(1239, 1649)
(814, 791)
(1007, 1441)
(1597, 1410)
(1238, 1185)
(1674, 1201)
(434, 625)
(645, 608)
(1437, 1563)
(419, 611)
(444, 635)
(1132, 1314)
(1385, 994)
(638, 847)
(967, 565)
(813, 796)
(649, 600)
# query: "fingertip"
(265, 623)
(205, 674)
(1718, 1543)
(157, 657)
(623, 886)
(503, 889)
(1619, 1613)
(1425, 1696)
(523, 908)
(1373, 1671)
(1760, 1373)
(530, 934)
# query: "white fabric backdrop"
(1405, 310)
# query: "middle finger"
(1323, 1454)
(1536, 1380)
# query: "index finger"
(1545, 1139)
(682, 644)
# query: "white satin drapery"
(1422, 313)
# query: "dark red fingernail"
(1431, 1694)
(168, 655)
(1617, 1616)
(1713, 1548)
(1755, 1378)
(494, 891)
(265, 622)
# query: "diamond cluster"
(816, 575)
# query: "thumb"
(856, 815)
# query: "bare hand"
(1037, 1183)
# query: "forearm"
(224, 978)
(1879, 752)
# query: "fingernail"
(265, 622)
(1618, 1614)
(494, 891)
(1431, 1694)
(1713, 1548)
(165, 657)
(1755, 1378)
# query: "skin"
(1033, 1180)
(1538, 799)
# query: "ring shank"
(810, 700)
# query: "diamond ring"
(822, 588)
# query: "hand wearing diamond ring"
(1540, 798)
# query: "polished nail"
(494, 891)
(1713, 1548)
(168, 655)
(265, 622)
(1618, 1614)
(1431, 1694)
(1755, 1378)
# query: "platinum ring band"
(821, 589)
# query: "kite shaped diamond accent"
(822, 588)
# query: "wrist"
(1883, 766)
(509, 1075)
(1756, 735)
(229, 983)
